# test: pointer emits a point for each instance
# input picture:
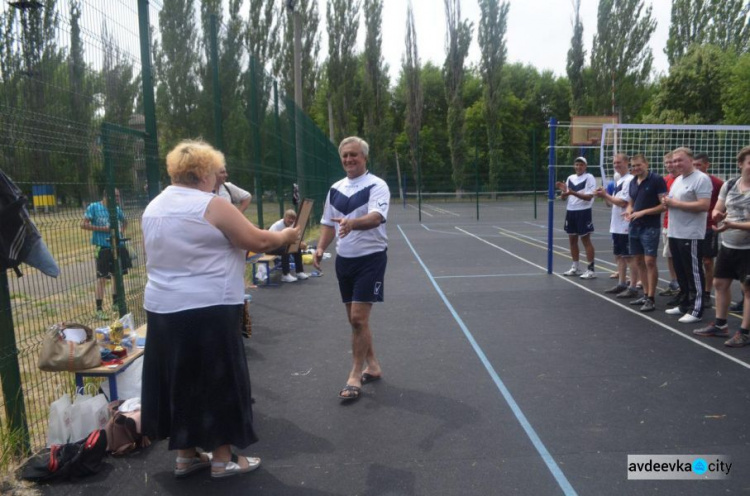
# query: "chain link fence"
(79, 124)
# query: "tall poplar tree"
(176, 65)
(621, 57)
(493, 24)
(730, 26)
(576, 62)
(457, 40)
(688, 24)
(374, 98)
(342, 23)
(283, 65)
(414, 98)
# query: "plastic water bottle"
(292, 267)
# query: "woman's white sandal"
(232, 468)
(195, 463)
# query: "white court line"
(634, 312)
(442, 210)
(490, 275)
(552, 466)
(415, 208)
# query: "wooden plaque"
(303, 217)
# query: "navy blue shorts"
(361, 279)
(579, 222)
(620, 245)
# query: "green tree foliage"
(575, 63)
(458, 38)
(736, 97)
(692, 92)
(283, 65)
(621, 54)
(176, 64)
(342, 23)
(414, 98)
(730, 27)
(375, 97)
(492, 28)
(689, 23)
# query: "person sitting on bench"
(287, 221)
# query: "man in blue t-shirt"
(96, 220)
(644, 214)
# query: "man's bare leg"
(363, 353)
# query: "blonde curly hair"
(192, 160)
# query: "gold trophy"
(116, 333)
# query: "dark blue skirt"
(196, 386)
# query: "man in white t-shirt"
(578, 190)
(230, 192)
(355, 212)
(688, 202)
(288, 221)
(619, 228)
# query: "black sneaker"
(640, 301)
(627, 293)
(675, 302)
(616, 289)
(648, 306)
(713, 330)
(738, 340)
(737, 306)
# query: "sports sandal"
(233, 468)
(350, 393)
(367, 378)
(196, 463)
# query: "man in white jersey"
(578, 190)
(688, 202)
(732, 217)
(230, 192)
(619, 228)
(355, 213)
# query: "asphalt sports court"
(499, 378)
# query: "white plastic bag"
(128, 382)
(59, 421)
(260, 273)
(88, 413)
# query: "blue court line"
(562, 481)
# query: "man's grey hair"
(356, 139)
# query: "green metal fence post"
(533, 165)
(279, 152)
(218, 125)
(114, 221)
(151, 144)
(256, 155)
(476, 177)
(10, 373)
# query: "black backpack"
(68, 461)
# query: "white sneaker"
(302, 276)
(589, 274)
(288, 278)
(673, 311)
(689, 319)
(572, 272)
